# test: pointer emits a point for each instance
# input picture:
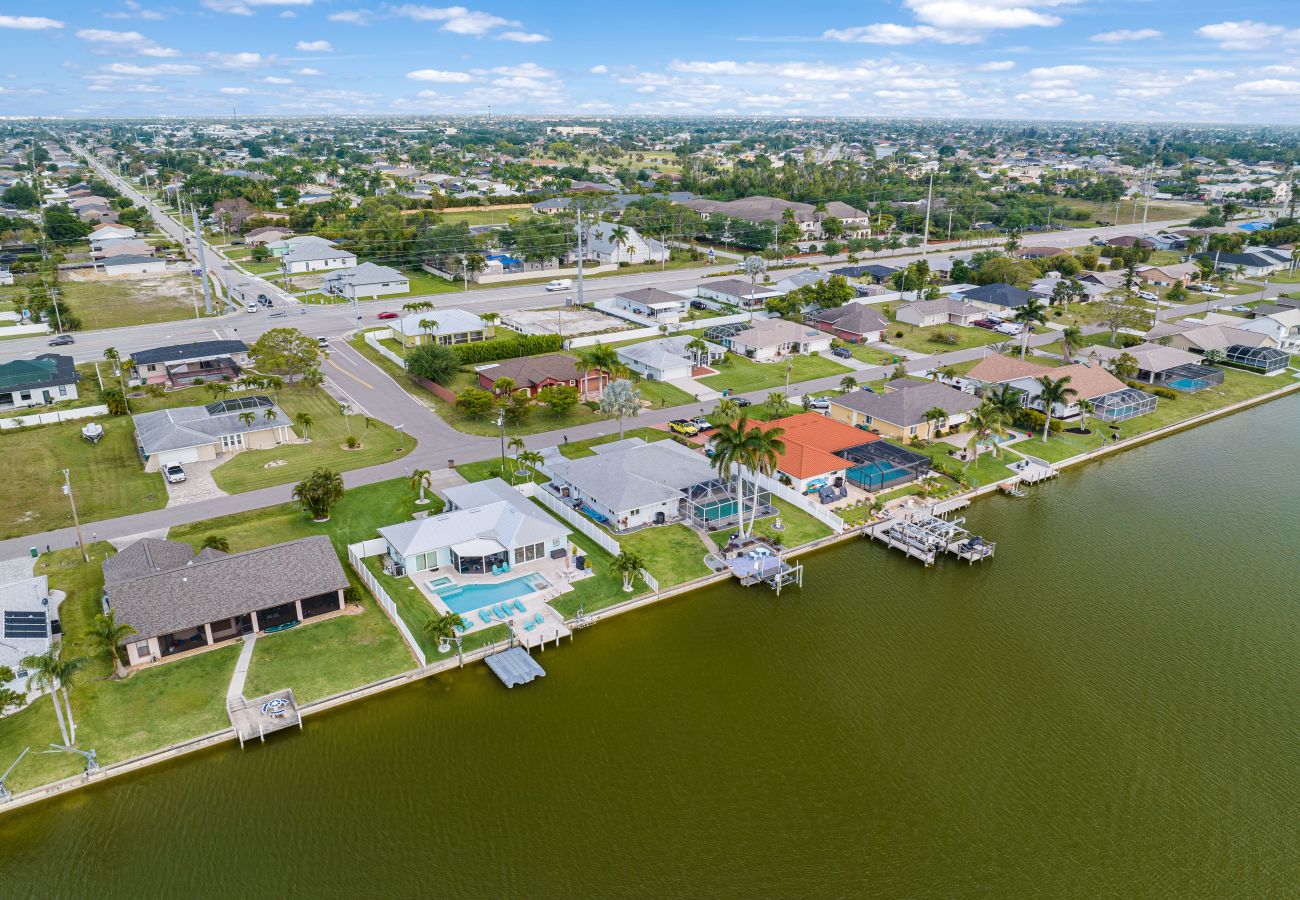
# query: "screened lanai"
(881, 465)
(712, 504)
(1265, 360)
(1191, 377)
(1118, 406)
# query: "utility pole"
(203, 261)
(356, 307)
(67, 489)
(929, 201)
(580, 253)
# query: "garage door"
(188, 455)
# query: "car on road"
(173, 473)
(741, 401)
(388, 315)
(559, 284)
(264, 300)
(842, 353)
(250, 307)
(62, 340)
(682, 426)
(323, 343)
(1239, 308)
(699, 304)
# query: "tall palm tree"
(427, 326)
(442, 628)
(51, 672)
(247, 417)
(530, 458)
(733, 448)
(621, 400)
(515, 446)
(764, 452)
(699, 348)
(847, 383)
(304, 421)
(270, 414)
(1006, 400)
(934, 415)
(986, 422)
(107, 634)
(629, 565)
(1085, 410)
(1029, 314)
(115, 358)
(606, 360)
(1071, 340)
(421, 479)
(1050, 393)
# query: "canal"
(1108, 709)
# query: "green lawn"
(491, 468)
(661, 394)
(473, 216)
(108, 479)
(380, 443)
(578, 449)
(870, 355)
(266, 267)
(673, 553)
(139, 301)
(744, 375)
(985, 470)
(922, 340)
(601, 589)
(800, 528)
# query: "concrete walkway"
(236, 689)
(695, 389)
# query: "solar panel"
(23, 624)
(237, 404)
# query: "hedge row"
(508, 348)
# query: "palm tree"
(1071, 340)
(503, 387)
(620, 400)
(1085, 410)
(107, 634)
(629, 565)
(428, 326)
(50, 672)
(215, 542)
(933, 415)
(1006, 400)
(515, 446)
(986, 422)
(727, 410)
(732, 445)
(699, 349)
(1027, 315)
(218, 390)
(605, 359)
(847, 383)
(776, 402)
(318, 492)
(270, 414)
(1051, 393)
(115, 358)
(765, 448)
(247, 417)
(421, 479)
(304, 421)
(443, 628)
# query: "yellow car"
(681, 426)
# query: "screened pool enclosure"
(1118, 406)
(880, 465)
(1265, 360)
(1191, 377)
(712, 504)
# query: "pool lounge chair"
(530, 626)
(519, 607)
(483, 615)
(539, 619)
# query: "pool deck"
(558, 572)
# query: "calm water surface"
(1108, 709)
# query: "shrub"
(898, 334)
(352, 442)
(508, 348)
(1032, 420)
(945, 337)
(434, 363)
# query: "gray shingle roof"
(194, 426)
(856, 318)
(629, 474)
(999, 294)
(180, 352)
(907, 404)
(205, 590)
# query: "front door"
(47, 397)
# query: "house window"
(634, 512)
(151, 368)
(912, 430)
(24, 395)
(232, 441)
(529, 553)
(142, 649)
(63, 390)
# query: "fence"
(638, 333)
(373, 547)
(799, 501)
(373, 338)
(576, 519)
(52, 418)
(15, 330)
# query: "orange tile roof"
(811, 440)
(996, 369)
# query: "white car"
(173, 473)
(1147, 295)
(250, 307)
(1239, 308)
(1008, 328)
(820, 404)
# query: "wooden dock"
(263, 716)
(924, 536)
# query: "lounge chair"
(539, 619)
(483, 615)
(530, 626)
(519, 607)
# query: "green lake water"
(1110, 708)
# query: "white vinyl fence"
(580, 522)
(799, 501)
(373, 338)
(53, 418)
(358, 552)
(638, 333)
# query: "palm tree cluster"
(739, 445)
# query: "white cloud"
(440, 76)
(240, 61)
(1275, 87)
(245, 7)
(898, 35)
(1061, 76)
(996, 65)
(276, 79)
(135, 10)
(954, 21)
(316, 46)
(235, 90)
(1123, 35)
(308, 72)
(522, 37)
(148, 71)
(29, 23)
(523, 70)
(1246, 34)
(352, 16)
(127, 40)
(599, 70)
(455, 19)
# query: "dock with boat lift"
(770, 570)
(925, 536)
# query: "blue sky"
(1158, 60)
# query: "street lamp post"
(501, 425)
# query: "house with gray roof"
(309, 253)
(856, 323)
(188, 434)
(998, 297)
(737, 292)
(44, 379)
(631, 484)
(29, 611)
(130, 264)
(652, 303)
(178, 600)
(367, 280)
(941, 311)
(177, 365)
(668, 359)
(899, 411)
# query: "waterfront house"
(1200, 335)
(856, 323)
(765, 340)
(187, 434)
(180, 365)
(44, 379)
(900, 410)
(1160, 365)
(178, 600)
(943, 311)
(487, 524)
(449, 327)
(366, 280)
(533, 373)
(813, 444)
(998, 369)
(652, 303)
(30, 616)
(668, 359)
(1111, 399)
(1282, 327)
(630, 484)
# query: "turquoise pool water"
(466, 598)
(1187, 384)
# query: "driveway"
(198, 484)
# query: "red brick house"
(536, 372)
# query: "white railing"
(53, 418)
(799, 501)
(576, 519)
(638, 333)
(356, 555)
(650, 581)
(373, 338)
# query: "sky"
(1122, 60)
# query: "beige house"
(769, 339)
(900, 410)
(190, 434)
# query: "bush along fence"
(507, 348)
(374, 547)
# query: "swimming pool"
(465, 598)
(1255, 226)
(1188, 384)
(874, 475)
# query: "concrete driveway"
(198, 484)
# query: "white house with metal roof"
(367, 280)
(667, 359)
(29, 613)
(309, 253)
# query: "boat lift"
(5, 793)
(923, 535)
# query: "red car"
(389, 315)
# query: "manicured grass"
(673, 553)
(662, 394)
(265, 267)
(922, 340)
(380, 443)
(473, 216)
(491, 468)
(870, 355)
(578, 449)
(108, 479)
(743, 375)
(602, 588)
(1164, 258)
(318, 659)
(139, 301)
(800, 528)
(983, 471)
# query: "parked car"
(1010, 329)
(62, 341)
(741, 401)
(1239, 308)
(990, 324)
(701, 423)
(236, 243)
(842, 353)
(1147, 295)
(173, 473)
(1205, 288)
(699, 304)
(388, 315)
(682, 426)
(820, 404)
